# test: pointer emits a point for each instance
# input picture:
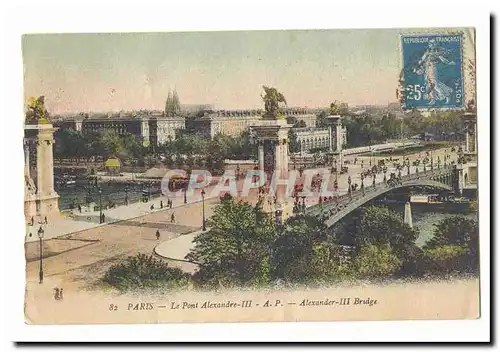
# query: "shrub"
(144, 272)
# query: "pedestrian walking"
(161, 204)
(157, 235)
(103, 218)
(56, 293)
(152, 207)
(61, 293)
(172, 218)
(46, 220)
(80, 208)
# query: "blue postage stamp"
(432, 71)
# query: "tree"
(236, 249)
(69, 143)
(94, 144)
(144, 272)
(460, 232)
(131, 146)
(376, 261)
(448, 259)
(381, 226)
(112, 143)
(294, 252)
(456, 230)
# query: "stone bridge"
(333, 211)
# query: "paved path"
(75, 221)
(175, 250)
(85, 256)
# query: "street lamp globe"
(41, 232)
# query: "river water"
(425, 219)
(114, 192)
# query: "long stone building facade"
(234, 122)
(311, 138)
(154, 129)
(230, 123)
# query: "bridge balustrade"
(340, 202)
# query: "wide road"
(88, 254)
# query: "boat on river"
(66, 180)
(431, 202)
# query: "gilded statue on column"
(37, 113)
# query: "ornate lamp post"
(41, 232)
(362, 183)
(126, 194)
(460, 156)
(373, 182)
(100, 206)
(384, 170)
(185, 194)
(89, 195)
(349, 184)
(203, 209)
(237, 172)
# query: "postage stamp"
(432, 71)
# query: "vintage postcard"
(251, 176)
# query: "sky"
(131, 71)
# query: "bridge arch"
(334, 212)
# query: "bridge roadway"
(334, 210)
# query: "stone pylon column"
(334, 123)
(330, 134)
(41, 136)
(338, 135)
(408, 217)
(284, 150)
(26, 158)
(261, 155)
(470, 123)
